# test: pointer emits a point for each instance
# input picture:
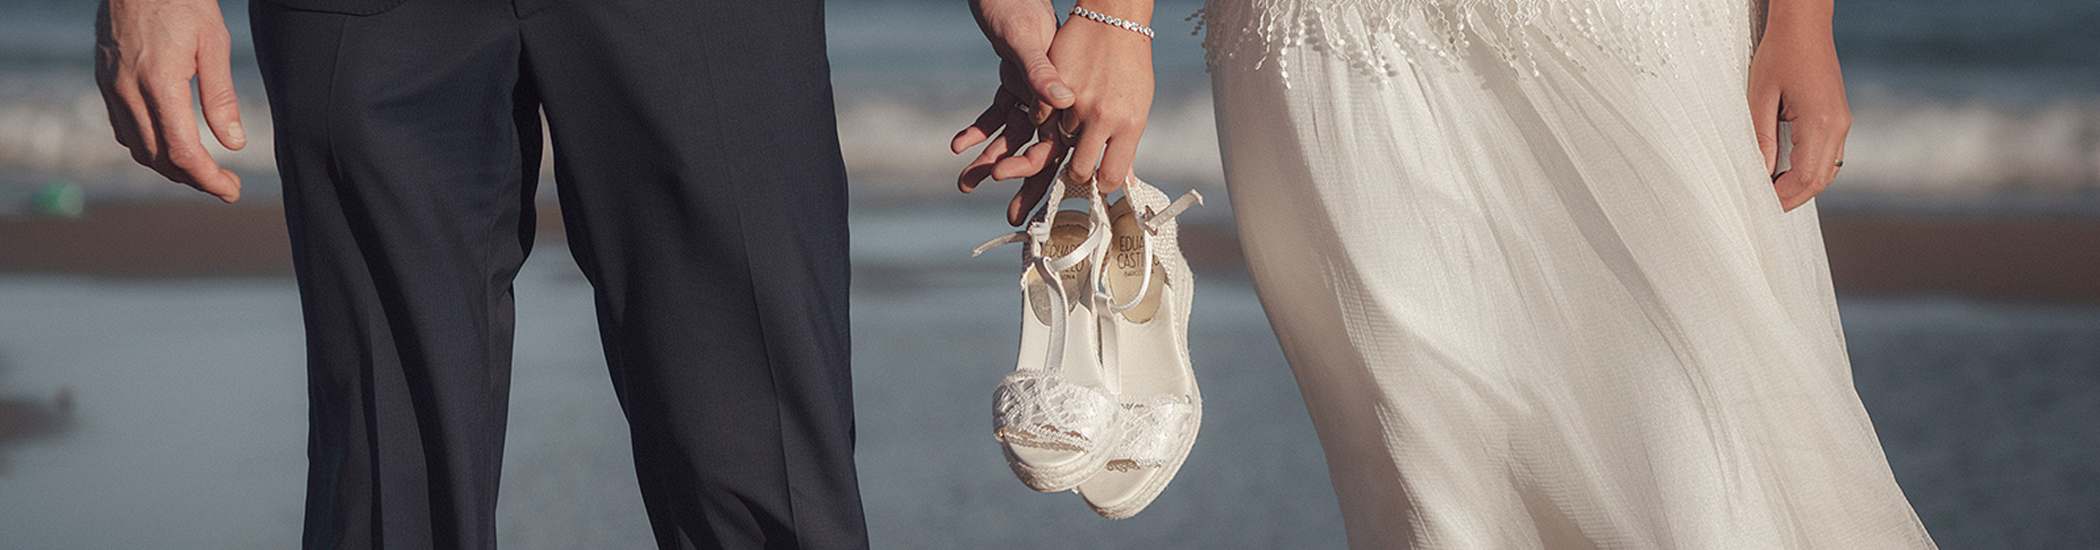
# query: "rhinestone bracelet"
(1112, 20)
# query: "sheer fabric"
(1534, 282)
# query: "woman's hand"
(1794, 78)
(1110, 69)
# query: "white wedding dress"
(1534, 282)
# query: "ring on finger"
(1069, 133)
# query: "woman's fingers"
(1117, 160)
(1764, 115)
(1819, 141)
(1087, 152)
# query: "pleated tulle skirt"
(1534, 282)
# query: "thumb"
(1764, 115)
(1043, 78)
(222, 109)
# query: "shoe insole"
(1127, 264)
(1068, 230)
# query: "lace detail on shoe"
(1045, 410)
(1153, 428)
(1379, 38)
(1041, 407)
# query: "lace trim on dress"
(1378, 37)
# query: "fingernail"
(1059, 91)
(239, 135)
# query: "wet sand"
(187, 427)
(1871, 252)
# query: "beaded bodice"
(1382, 37)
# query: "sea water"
(1953, 98)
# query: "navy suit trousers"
(697, 163)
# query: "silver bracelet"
(1112, 20)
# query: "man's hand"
(1794, 78)
(146, 53)
(1029, 92)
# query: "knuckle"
(128, 91)
(165, 83)
(186, 156)
(1828, 120)
(223, 98)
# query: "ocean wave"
(1958, 148)
(895, 142)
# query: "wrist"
(1798, 18)
(1080, 12)
(1135, 11)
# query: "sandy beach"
(151, 389)
(1872, 251)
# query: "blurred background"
(151, 382)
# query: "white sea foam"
(1957, 148)
(895, 142)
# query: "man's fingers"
(986, 124)
(145, 139)
(978, 169)
(1031, 192)
(1043, 78)
(1764, 116)
(983, 166)
(1039, 183)
(122, 125)
(225, 185)
(180, 146)
(1009, 141)
(222, 108)
(973, 176)
(1030, 161)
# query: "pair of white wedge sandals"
(1103, 399)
